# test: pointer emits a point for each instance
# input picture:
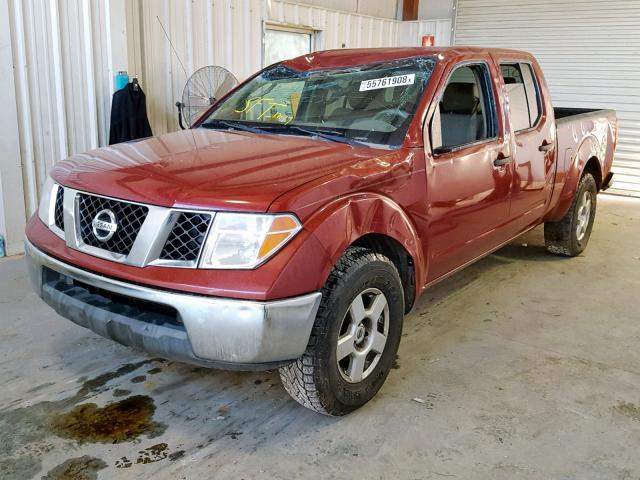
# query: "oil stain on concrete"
(628, 409)
(81, 468)
(124, 462)
(155, 453)
(27, 430)
(116, 422)
(121, 392)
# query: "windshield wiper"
(333, 136)
(230, 124)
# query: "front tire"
(355, 336)
(569, 236)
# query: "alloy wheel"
(584, 215)
(363, 335)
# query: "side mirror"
(435, 132)
(441, 150)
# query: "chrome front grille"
(142, 234)
(186, 237)
(58, 213)
(129, 217)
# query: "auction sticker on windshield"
(387, 82)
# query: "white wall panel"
(431, 9)
(12, 210)
(412, 32)
(63, 65)
(339, 29)
(203, 32)
(230, 33)
(589, 52)
(375, 8)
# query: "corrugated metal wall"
(339, 29)
(64, 54)
(62, 81)
(230, 33)
(411, 32)
(203, 32)
(588, 49)
(62, 57)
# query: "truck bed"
(563, 113)
(583, 133)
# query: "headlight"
(245, 240)
(48, 202)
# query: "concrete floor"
(528, 366)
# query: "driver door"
(469, 170)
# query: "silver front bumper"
(209, 331)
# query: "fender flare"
(340, 223)
(588, 149)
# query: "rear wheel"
(570, 235)
(355, 336)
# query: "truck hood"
(203, 168)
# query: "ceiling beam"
(410, 9)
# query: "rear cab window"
(466, 111)
(523, 94)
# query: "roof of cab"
(363, 56)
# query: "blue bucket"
(120, 80)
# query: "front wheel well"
(402, 260)
(593, 167)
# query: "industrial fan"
(203, 89)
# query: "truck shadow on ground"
(527, 248)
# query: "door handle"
(502, 161)
(545, 147)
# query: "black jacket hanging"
(129, 119)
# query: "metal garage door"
(590, 53)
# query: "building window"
(282, 43)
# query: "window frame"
(285, 27)
(536, 84)
(493, 107)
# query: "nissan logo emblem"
(104, 225)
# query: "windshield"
(364, 104)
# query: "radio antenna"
(172, 47)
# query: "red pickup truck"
(298, 220)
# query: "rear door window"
(533, 92)
(522, 91)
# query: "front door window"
(466, 111)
